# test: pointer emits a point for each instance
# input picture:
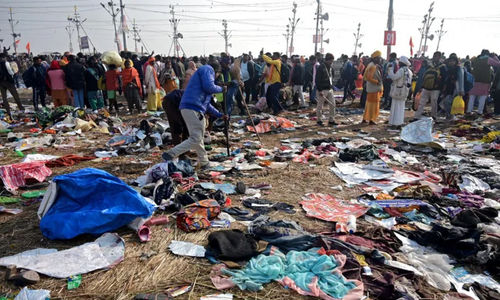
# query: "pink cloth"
(15, 175)
(315, 291)
(56, 79)
(219, 281)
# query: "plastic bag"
(112, 58)
(458, 106)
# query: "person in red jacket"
(112, 86)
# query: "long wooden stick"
(249, 115)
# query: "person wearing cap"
(195, 103)
(400, 89)
(374, 88)
(453, 84)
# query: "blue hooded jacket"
(199, 92)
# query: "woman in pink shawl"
(189, 72)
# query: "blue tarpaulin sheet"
(92, 201)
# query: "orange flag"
(28, 47)
(411, 46)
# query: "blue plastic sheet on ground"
(92, 201)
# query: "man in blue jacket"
(194, 104)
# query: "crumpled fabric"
(270, 124)
(328, 208)
(286, 235)
(15, 175)
(471, 184)
(28, 294)
(364, 153)
(307, 272)
(67, 160)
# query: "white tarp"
(103, 253)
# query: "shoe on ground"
(372, 123)
(332, 123)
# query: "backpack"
(197, 216)
(468, 81)
(284, 73)
(431, 78)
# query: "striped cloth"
(15, 175)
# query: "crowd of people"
(271, 79)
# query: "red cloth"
(67, 160)
(112, 80)
(15, 175)
(328, 208)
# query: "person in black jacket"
(7, 83)
(35, 78)
(324, 84)
(248, 75)
(75, 80)
(178, 127)
(297, 80)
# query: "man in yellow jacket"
(274, 81)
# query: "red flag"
(411, 46)
(17, 42)
(28, 47)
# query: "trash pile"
(411, 214)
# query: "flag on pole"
(28, 47)
(411, 46)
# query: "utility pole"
(123, 26)
(14, 35)
(390, 25)
(135, 30)
(317, 25)
(358, 36)
(440, 34)
(294, 24)
(428, 26)
(113, 12)
(287, 37)
(78, 23)
(226, 35)
(177, 35)
(422, 33)
(70, 29)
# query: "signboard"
(317, 39)
(84, 42)
(290, 49)
(389, 38)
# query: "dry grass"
(163, 269)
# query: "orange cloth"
(372, 107)
(131, 75)
(60, 97)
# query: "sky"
(469, 25)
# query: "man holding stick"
(194, 104)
